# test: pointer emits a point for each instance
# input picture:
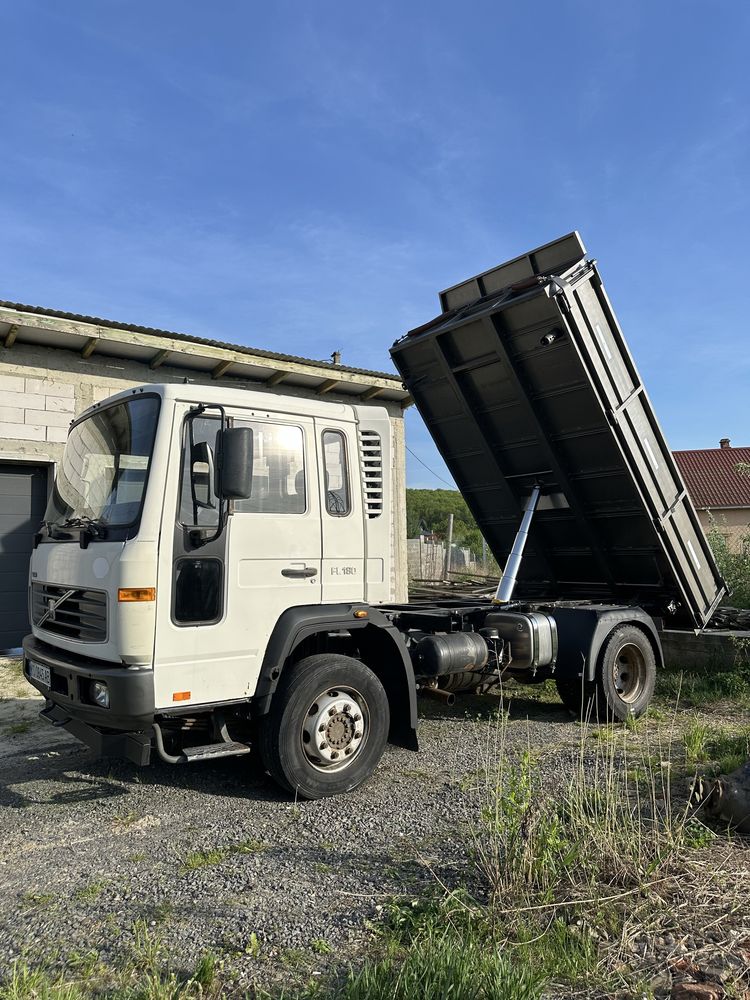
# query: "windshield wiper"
(92, 526)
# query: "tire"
(578, 696)
(625, 678)
(333, 699)
(626, 673)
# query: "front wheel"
(327, 727)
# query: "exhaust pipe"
(447, 697)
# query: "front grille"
(80, 614)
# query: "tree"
(431, 508)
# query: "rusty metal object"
(439, 694)
(726, 798)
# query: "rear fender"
(582, 631)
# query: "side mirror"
(235, 481)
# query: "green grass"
(25, 983)
(437, 966)
(19, 727)
(252, 946)
(564, 873)
(726, 749)
(126, 820)
(38, 898)
(162, 912)
(14, 668)
(205, 974)
(202, 859)
(88, 893)
(704, 688)
(143, 974)
(720, 680)
(214, 856)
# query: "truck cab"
(187, 541)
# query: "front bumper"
(69, 704)
(131, 746)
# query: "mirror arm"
(201, 540)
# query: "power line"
(451, 485)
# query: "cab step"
(211, 750)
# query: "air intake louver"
(372, 471)
(70, 612)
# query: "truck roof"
(524, 379)
(261, 401)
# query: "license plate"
(38, 672)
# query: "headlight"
(100, 694)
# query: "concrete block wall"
(707, 651)
(42, 389)
(35, 409)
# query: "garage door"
(23, 498)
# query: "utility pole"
(448, 546)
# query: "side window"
(197, 596)
(278, 470)
(199, 505)
(336, 473)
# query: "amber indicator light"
(181, 696)
(128, 594)
(360, 614)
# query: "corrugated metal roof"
(189, 338)
(712, 478)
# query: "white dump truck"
(212, 576)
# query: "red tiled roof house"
(715, 484)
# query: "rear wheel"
(626, 673)
(578, 695)
(327, 727)
(625, 678)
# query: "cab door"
(341, 513)
(227, 593)
(274, 537)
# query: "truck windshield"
(102, 476)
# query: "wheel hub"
(335, 728)
(629, 672)
(339, 732)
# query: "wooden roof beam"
(10, 337)
(221, 368)
(371, 393)
(324, 387)
(158, 359)
(274, 379)
(89, 347)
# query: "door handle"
(300, 573)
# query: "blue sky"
(307, 176)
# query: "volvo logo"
(52, 605)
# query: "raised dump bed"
(525, 379)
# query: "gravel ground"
(90, 846)
(216, 859)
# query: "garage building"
(53, 365)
